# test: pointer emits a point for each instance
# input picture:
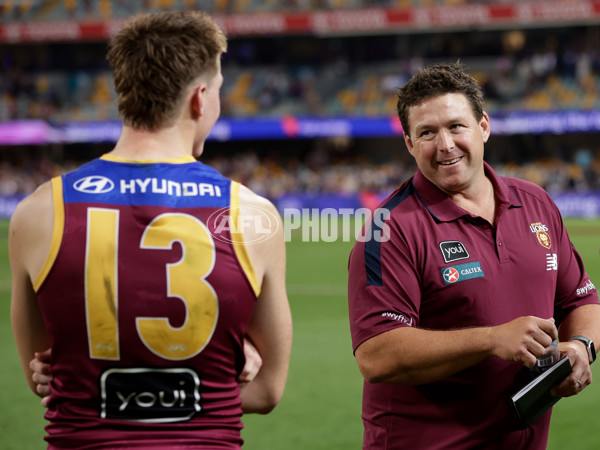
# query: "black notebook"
(531, 402)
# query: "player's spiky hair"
(154, 59)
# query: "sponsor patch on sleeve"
(461, 272)
(398, 318)
(586, 289)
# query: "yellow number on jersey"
(101, 283)
(185, 282)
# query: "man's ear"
(484, 124)
(197, 101)
(409, 144)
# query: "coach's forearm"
(585, 321)
(416, 356)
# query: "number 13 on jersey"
(186, 281)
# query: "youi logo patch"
(453, 251)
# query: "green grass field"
(322, 402)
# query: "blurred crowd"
(29, 10)
(322, 170)
(532, 70)
(537, 69)
(319, 172)
(22, 172)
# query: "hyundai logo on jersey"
(95, 184)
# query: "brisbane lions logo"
(541, 232)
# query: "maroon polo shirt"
(444, 268)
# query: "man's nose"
(445, 140)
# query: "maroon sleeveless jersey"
(146, 294)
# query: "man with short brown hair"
(135, 270)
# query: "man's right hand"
(523, 339)
(42, 376)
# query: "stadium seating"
(520, 70)
(277, 90)
(44, 10)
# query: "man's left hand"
(581, 376)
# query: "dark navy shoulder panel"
(373, 243)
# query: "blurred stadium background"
(308, 119)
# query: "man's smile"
(449, 162)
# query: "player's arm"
(584, 321)
(415, 356)
(30, 233)
(270, 329)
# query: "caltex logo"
(462, 272)
(450, 275)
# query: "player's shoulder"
(250, 199)
(33, 217)
(261, 226)
(36, 203)
(262, 213)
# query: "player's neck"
(166, 143)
